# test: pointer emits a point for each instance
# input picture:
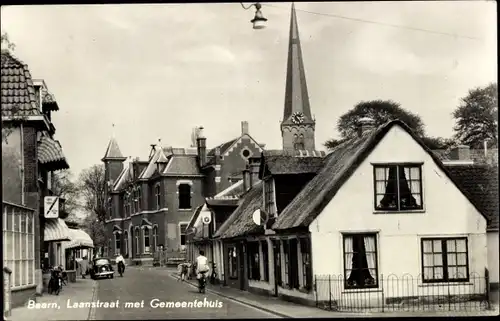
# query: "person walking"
(84, 266)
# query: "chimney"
(461, 153)
(365, 124)
(217, 156)
(254, 166)
(201, 145)
(246, 178)
(244, 128)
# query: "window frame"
(139, 199)
(155, 237)
(305, 246)
(444, 259)
(118, 241)
(363, 235)
(146, 249)
(158, 196)
(183, 233)
(125, 243)
(137, 232)
(419, 166)
(253, 250)
(232, 266)
(269, 196)
(265, 259)
(18, 237)
(186, 194)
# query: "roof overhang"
(41, 122)
(79, 239)
(50, 154)
(56, 230)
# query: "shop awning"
(56, 230)
(78, 239)
(50, 154)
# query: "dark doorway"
(293, 265)
(277, 266)
(241, 262)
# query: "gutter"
(22, 165)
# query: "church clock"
(298, 117)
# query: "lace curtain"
(387, 184)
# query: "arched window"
(136, 200)
(139, 198)
(146, 243)
(110, 208)
(155, 238)
(158, 196)
(137, 250)
(131, 201)
(184, 196)
(125, 243)
(117, 243)
(125, 201)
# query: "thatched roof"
(286, 165)
(339, 166)
(241, 222)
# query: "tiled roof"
(481, 182)
(232, 191)
(50, 153)
(113, 151)
(297, 153)
(222, 201)
(339, 165)
(182, 165)
(279, 165)
(241, 220)
(152, 166)
(223, 147)
(17, 91)
(476, 155)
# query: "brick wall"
(11, 168)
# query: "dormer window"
(38, 95)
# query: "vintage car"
(101, 268)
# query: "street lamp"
(259, 22)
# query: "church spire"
(296, 94)
(298, 125)
(113, 151)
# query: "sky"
(158, 71)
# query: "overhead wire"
(376, 22)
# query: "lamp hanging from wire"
(259, 22)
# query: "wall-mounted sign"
(51, 207)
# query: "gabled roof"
(227, 147)
(481, 182)
(194, 218)
(180, 165)
(17, 90)
(339, 166)
(113, 151)
(241, 220)
(125, 176)
(222, 147)
(159, 155)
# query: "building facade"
(30, 156)
(151, 202)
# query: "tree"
(382, 111)
(8, 126)
(477, 117)
(92, 186)
(64, 187)
(95, 229)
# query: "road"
(144, 286)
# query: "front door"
(277, 265)
(241, 262)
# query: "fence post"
(316, 288)
(487, 285)
(330, 291)
(382, 287)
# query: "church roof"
(296, 94)
(113, 151)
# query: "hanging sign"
(51, 207)
(206, 217)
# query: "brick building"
(30, 155)
(150, 202)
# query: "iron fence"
(402, 293)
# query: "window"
(298, 142)
(19, 244)
(125, 205)
(305, 251)
(445, 260)
(182, 233)
(253, 261)
(269, 196)
(125, 243)
(291, 264)
(155, 238)
(139, 199)
(131, 201)
(233, 262)
(277, 260)
(398, 187)
(157, 196)
(117, 243)
(110, 208)
(360, 261)
(137, 251)
(145, 233)
(184, 196)
(265, 260)
(136, 200)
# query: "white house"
(384, 210)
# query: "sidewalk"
(292, 310)
(54, 307)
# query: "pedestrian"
(84, 266)
(184, 270)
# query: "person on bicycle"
(120, 261)
(201, 265)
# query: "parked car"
(101, 268)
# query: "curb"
(92, 310)
(253, 305)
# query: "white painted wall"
(493, 256)
(446, 213)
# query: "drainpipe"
(22, 165)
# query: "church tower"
(298, 125)
(113, 161)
